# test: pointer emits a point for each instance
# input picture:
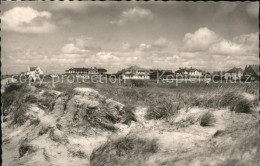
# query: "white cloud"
(199, 40)
(227, 48)
(27, 20)
(71, 48)
(249, 41)
(253, 9)
(144, 46)
(135, 14)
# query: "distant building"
(251, 72)
(34, 73)
(234, 74)
(189, 72)
(163, 74)
(134, 72)
(86, 71)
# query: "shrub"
(162, 108)
(207, 119)
(123, 151)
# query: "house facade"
(189, 72)
(252, 72)
(34, 73)
(134, 72)
(234, 74)
(86, 71)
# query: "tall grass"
(162, 108)
(123, 151)
(207, 119)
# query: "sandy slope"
(60, 140)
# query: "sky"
(59, 35)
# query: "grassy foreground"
(116, 131)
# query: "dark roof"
(187, 69)
(135, 68)
(165, 71)
(132, 69)
(83, 69)
(255, 69)
(234, 70)
(32, 68)
(102, 70)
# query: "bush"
(123, 151)
(207, 119)
(162, 108)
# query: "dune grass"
(123, 151)
(207, 119)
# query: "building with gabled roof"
(252, 71)
(134, 72)
(86, 71)
(189, 72)
(34, 73)
(234, 74)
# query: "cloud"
(249, 41)
(126, 46)
(135, 14)
(71, 48)
(253, 9)
(27, 20)
(199, 40)
(207, 50)
(161, 42)
(227, 48)
(144, 46)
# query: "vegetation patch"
(26, 148)
(207, 119)
(162, 108)
(123, 151)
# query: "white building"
(135, 72)
(34, 73)
(189, 71)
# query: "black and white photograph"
(130, 83)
